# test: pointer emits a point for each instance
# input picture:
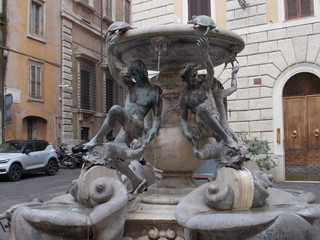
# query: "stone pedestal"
(151, 215)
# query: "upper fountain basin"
(176, 45)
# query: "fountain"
(239, 204)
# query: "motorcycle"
(67, 160)
(78, 151)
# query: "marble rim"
(177, 43)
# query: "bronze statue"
(197, 97)
(142, 97)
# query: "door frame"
(278, 124)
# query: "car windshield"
(11, 147)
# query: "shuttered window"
(36, 18)
(108, 8)
(127, 11)
(84, 133)
(112, 93)
(198, 7)
(85, 89)
(298, 8)
(87, 85)
(35, 81)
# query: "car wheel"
(15, 172)
(52, 167)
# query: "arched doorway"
(301, 108)
(35, 128)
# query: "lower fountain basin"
(63, 218)
(290, 217)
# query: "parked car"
(22, 156)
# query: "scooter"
(66, 160)
(78, 151)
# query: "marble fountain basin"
(176, 45)
(287, 214)
(166, 48)
(87, 214)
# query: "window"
(85, 89)
(198, 7)
(127, 11)
(298, 8)
(36, 18)
(112, 92)
(87, 85)
(108, 8)
(29, 147)
(84, 133)
(40, 146)
(35, 81)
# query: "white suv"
(21, 156)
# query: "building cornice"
(76, 19)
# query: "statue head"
(189, 71)
(138, 70)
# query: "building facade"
(87, 89)
(31, 50)
(278, 83)
(55, 67)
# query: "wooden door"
(302, 137)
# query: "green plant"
(260, 151)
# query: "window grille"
(85, 133)
(87, 92)
(112, 93)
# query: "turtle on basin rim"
(205, 22)
(117, 28)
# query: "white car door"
(30, 158)
(43, 153)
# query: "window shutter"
(291, 9)
(38, 82)
(127, 11)
(32, 18)
(109, 94)
(306, 8)
(298, 8)
(87, 92)
(36, 18)
(205, 8)
(40, 20)
(192, 4)
(112, 93)
(109, 8)
(85, 89)
(199, 7)
(32, 80)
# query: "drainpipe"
(2, 65)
